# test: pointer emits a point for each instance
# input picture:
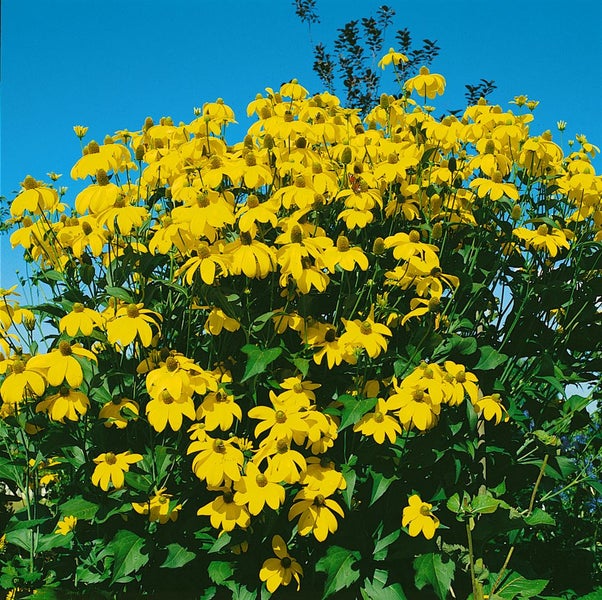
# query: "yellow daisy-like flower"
(35, 198)
(165, 408)
(255, 490)
(224, 513)
(110, 468)
(379, 424)
(111, 411)
(131, 321)
(218, 410)
(426, 84)
(492, 408)
(218, 320)
(366, 334)
(216, 461)
(60, 364)
(317, 513)
(544, 238)
(419, 517)
(67, 404)
(282, 569)
(80, 320)
(344, 256)
(251, 257)
(158, 508)
(392, 58)
(21, 382)
(66, 525)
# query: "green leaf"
(539, 517)
(302, 364)
(53, 540)
(127, 550)
(80, 508)
(484, 504)
(516, 585)
(376, 589)
(258, 360)
(219, 571)
(8, 471)
(354, 409)
(350, 478)
(120, 293)
(338, 566)
(380, 484)
(23, 538)
(490, 359)
(380, 547)
(177, 556)
(431, 570)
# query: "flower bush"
(348, 340)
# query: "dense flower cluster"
(246, 303)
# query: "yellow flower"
(494, 187)
(251, 257)
(224, 513)
(159, 507)
(80, 320)
(460, 382)
(66, 525)
(111, 411)
(218, 410)
(284, 464)
(67, 404)
(60, 364)
(219, 320)
(35, 198)
(419, 517)
(426, 84)
(255, 490)
(344, 256)
(379, 424)
(80, 131)
(165, 408)
(216, 461)
(367, 334)
(21, 382)
(393, 58)
(282, 569)
(492, 408)
(316, 513)
(131, 321)
(544, 238)
(283, 422)
(110, 468)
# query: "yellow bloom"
(35, 198)
(544, 238)
(255, 490)
(21, 382)
(282, 569)
(218, 410)
(219, 320)
(159, 507)
(111, 411)
(67, 404)
(419, 517)
(317, 513)
(460, 382)
(131, 321)
(344, 256)
(165, 408)
(80, 320)
(393, 58)
(283, 422)
(494, 187)
(492, 408)
(224, 513)
(60, 364)
(426, 84)
(216, 461)
(110, 468)
(66, 525)
(80, 131)
(379, 424)
(284, 464)
(251, 257)
(366, 334)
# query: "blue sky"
(108, 64)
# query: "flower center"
(215, 162)
(461, 376)
(171, 364)
(261, 480)
(286, 562)
(219, 446)
(366, 328)
(102, 178)
(252, 201)
(202, 201)
(319, 500)
(414, 236)
(282, 446)
(300, 181)
(18, 366)
(280, 416)
(296, 235)
(330, 335)
(418, 395)
(203, 251)
(132, 311)
(228, 497)
(78, 307)
(298, 388)
(86, 228)
(342, 243)
(65, 348)
(250, 160)
(110, 458)
(245, 238)
(166, 397)
(542, 230)
(425, 510)
(379, 417)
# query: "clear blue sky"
(108, 64)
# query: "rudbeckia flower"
(426, 84)
(20, 382)
(255, 490)
(60, 364)
(224, 513)
(367, 334)
(282, 569)
(80, 320)
(218, 410)
(419, 517)
(216, 461)
(110, 468)
(492, 408)
(543, 238)
(67, 404)
(251, 257)
(392, 58)
(159, 507)
(317, 513)
(131, 321)
(111, 411)
(344, 256)
(66, 525)
(379, 424)
(165, 408)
